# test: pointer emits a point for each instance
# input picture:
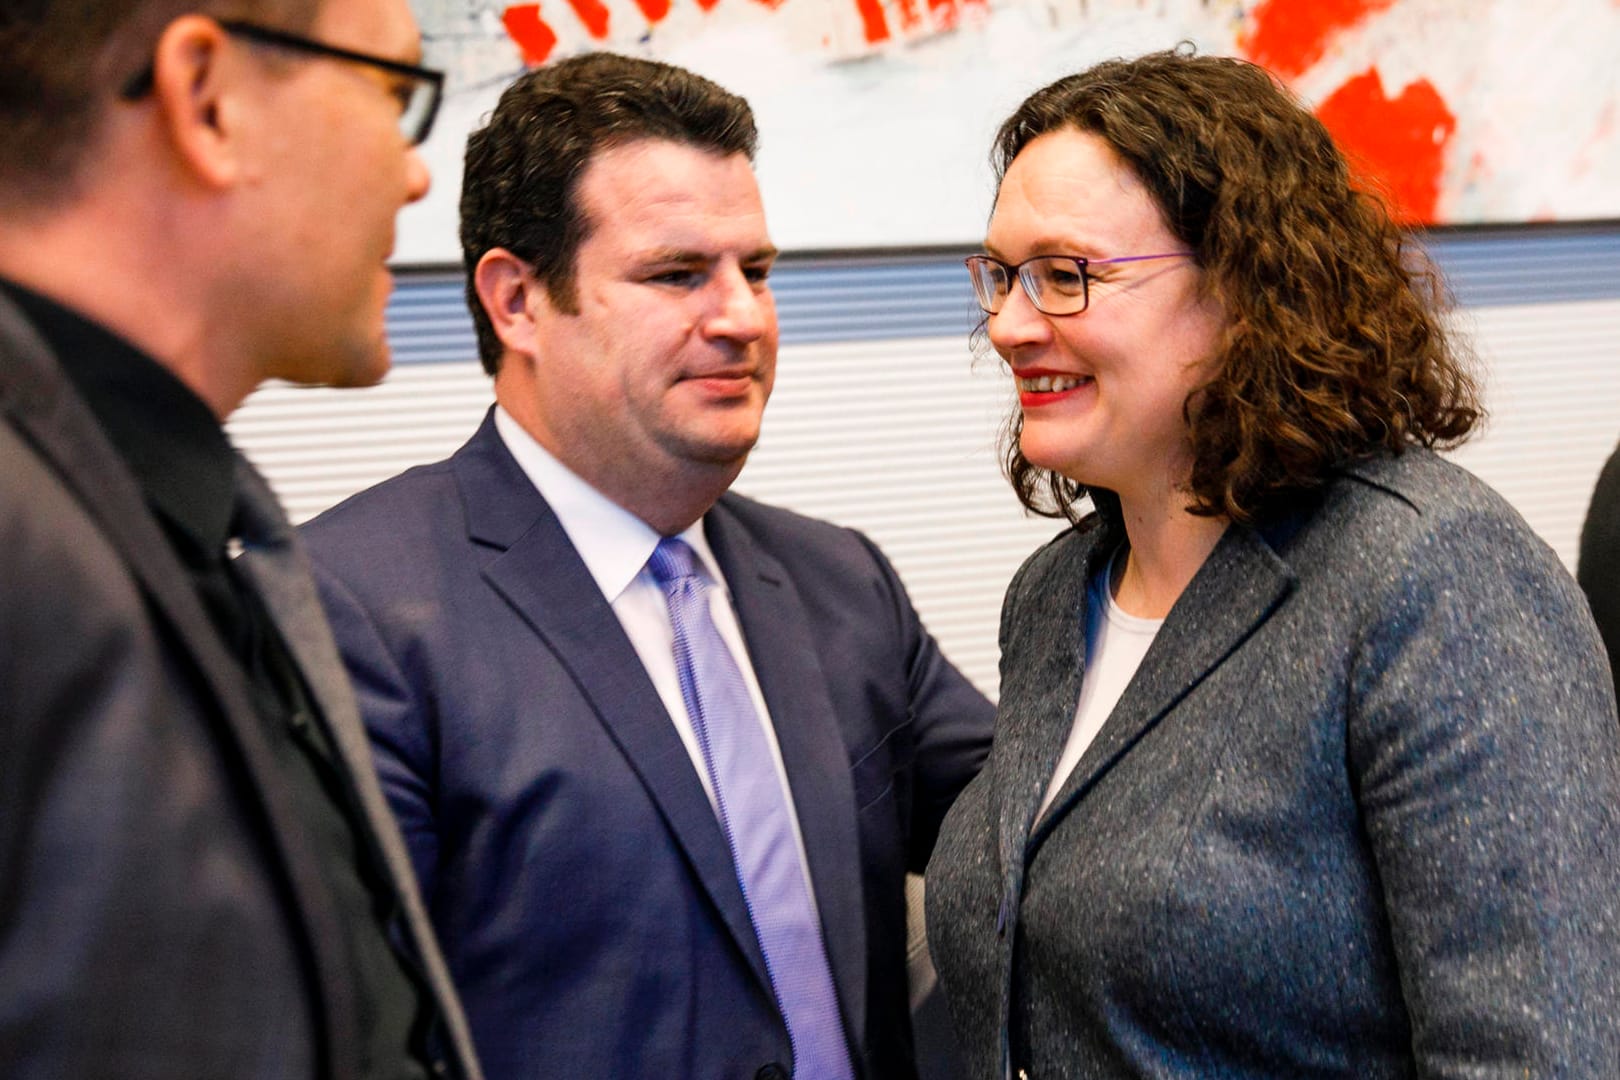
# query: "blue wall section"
(876, 297)
(1530, 265)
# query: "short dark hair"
(1335, 349)
(520, 184)
(62, 62)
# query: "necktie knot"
(672, 561)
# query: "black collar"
(171, 441)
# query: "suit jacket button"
(772, 1071)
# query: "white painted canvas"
(876, 115)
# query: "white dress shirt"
(615, 546)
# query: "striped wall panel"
(881, 419)
(1552, 389)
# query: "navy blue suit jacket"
(574, 869)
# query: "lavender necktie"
(755, 816)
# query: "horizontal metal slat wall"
(1552, 388)
(882, 420)
(1549, 264)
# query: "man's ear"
(191, 77)
(506, 287)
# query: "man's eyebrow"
(674, 255)
(686, 256)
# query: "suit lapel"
(280, 574)
(61, 427)
(540, 574)
(279, 570)
(782, 649)
(1234, 592)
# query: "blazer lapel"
(275, 562)
(281, 576)
(1039, 695)
(540, 574)
(782, 649)
(1234, 592)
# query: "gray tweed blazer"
(1355, 816)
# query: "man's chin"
(724, 452)
(342, 368)
(366, 374)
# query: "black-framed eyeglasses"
(419, 89)
(1055, 284)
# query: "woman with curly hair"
(1307, 761)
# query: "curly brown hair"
(1335, 349)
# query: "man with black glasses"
(198, 874)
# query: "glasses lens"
(989, 282)
(417, 119)
(1055, 283)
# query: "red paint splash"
(533, 37)
(593, 15)
(945, 15)
(1288, 36)
(653, 10)
(873, 23)
(1399, 144)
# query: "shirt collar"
(613, 543)
(167, 436)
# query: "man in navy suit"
(515, 657)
